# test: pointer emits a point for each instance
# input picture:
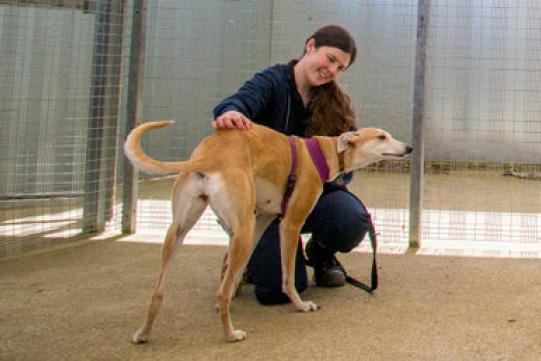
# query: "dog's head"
(369, 145)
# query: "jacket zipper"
(288, 111)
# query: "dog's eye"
(382, 137)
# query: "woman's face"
(323, 64)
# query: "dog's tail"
(140, 160)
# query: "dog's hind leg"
(262, 221)
(188, 205)
(238, 256)
(233, 201)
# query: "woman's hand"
(231, 120)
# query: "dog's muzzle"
(399, 155)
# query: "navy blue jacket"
(271, 98)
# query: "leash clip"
(340, 179)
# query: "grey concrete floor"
(84, 302)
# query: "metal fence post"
(417, 167)
(135, 89)
(102, 129)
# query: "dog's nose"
(408, 149)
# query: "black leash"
(374, 274)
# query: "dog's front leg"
(289, 238)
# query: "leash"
(374, 273)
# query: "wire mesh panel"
(59, 64)
(483, 123)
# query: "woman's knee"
(341, 223)
(350, 232)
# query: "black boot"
(328, 272)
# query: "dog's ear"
(345, 139)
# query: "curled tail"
(140, 160)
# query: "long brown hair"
(330, 107)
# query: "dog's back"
(263, 150)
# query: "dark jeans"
(338, 223)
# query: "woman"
(302, 98)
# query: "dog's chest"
(268, 197)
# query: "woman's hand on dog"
(231, 120)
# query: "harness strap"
(292, 175)
(317, 157)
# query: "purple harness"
(323, 169)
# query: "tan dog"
(242, 174)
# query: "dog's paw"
(238, 335)
(308, 306)
(138, 338)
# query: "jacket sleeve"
(252, 97)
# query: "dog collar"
(341, 163)
(340, 178)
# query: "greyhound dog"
(243, 175)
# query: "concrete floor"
(84, 302)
